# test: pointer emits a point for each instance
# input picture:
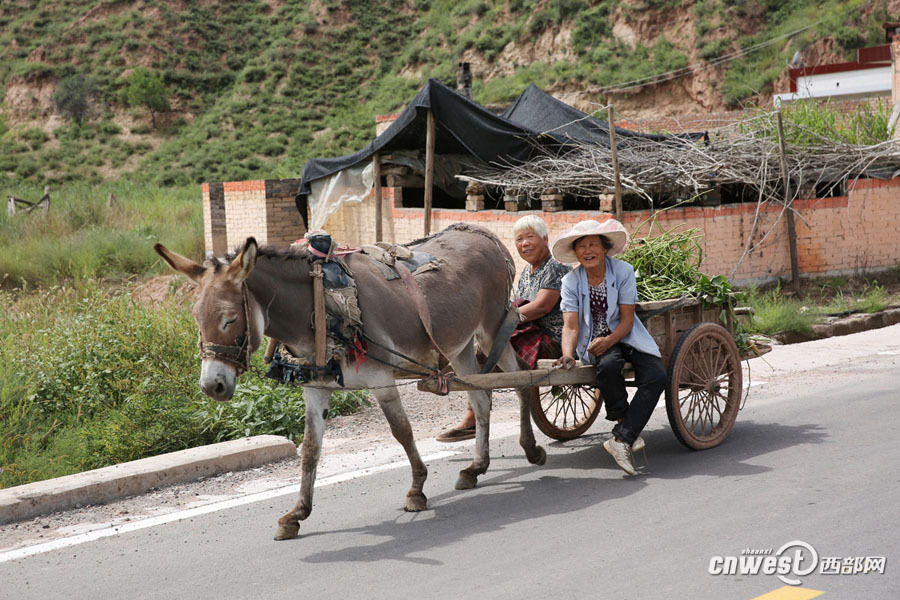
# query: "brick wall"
(850, 234)
(235, 210)
(214, 227)
(856, 233)
(245, 211)
(284, 224)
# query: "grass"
(776, 311)
(92, 378)
(82, 237)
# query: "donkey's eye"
(227, 323)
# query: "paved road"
(812, 459)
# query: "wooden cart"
(703, 364)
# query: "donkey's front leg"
(317, 400)
(389, 400)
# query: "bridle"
(237, 355)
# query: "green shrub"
(591, 27)
(117, 381)
(145, 88)
(776, 313)
(715, 49)
(543, 19)
(140, 129)
(35, 136)
(32, 70)
(109, 128)
(75, 96)
(875, 298)
(813, 122)
(266, 407)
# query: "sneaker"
(638, 444)
(621, 453)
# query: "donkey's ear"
(180, 263)
(240, 267)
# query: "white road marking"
(202, 510)
(890, 352)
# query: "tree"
(74, 97)
(147, 89)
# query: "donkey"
(265, 291)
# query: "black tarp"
(461, 127)
(464, 127)
(538, 111)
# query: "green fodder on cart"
(667, 265)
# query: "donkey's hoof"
(466, 481)
(287, 531)
(416, 502)
(538, 456)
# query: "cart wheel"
(563, 412)
(703, 394)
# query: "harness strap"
(319, 314)
(421, 304)
(502, 339)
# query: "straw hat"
(611, 229)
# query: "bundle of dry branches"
(746, 153)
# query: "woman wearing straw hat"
(601, 329)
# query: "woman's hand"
(600, 345)
(566, 362)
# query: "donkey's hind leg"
(465, 363)
(534, 453)
(317, 401)
(389, 400)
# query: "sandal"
(457, 434)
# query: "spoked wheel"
(564, 412)
(703, 394)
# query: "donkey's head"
(230, 322)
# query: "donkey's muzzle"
(217, 380)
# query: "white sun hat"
(611, 229)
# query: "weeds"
(776, 312)
(83, 237)
(874, 299)
(773, 312)
(93, 379)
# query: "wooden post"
(45, 199)
(376, 175)
(319, 314)
(615, 162)
(789, 204)
(429, 169)
(11, 206)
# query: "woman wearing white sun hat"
(600, 328)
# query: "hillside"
(256, 88)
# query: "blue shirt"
(620, 289)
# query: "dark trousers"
(650, 377)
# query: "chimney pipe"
(464, 80)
